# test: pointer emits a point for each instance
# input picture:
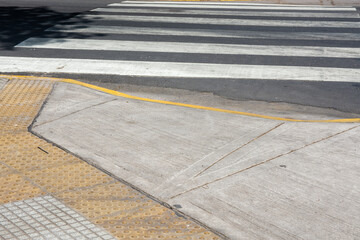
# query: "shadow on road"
(18, 24)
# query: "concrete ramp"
(246, 177)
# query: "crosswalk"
(199, 40)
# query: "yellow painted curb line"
(124, 95)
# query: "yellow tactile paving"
(14, 187)
(4, 170)
(31, 167)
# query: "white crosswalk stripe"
(233, 22)
(77, 28)
(347, 14)
(148, 46)
(200, 40)
(169, 69)
(221, 6)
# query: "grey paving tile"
(45, 218)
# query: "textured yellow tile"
(105, 199)
(130, 215)
(4, 170)
(34, 160)
(30, 154)
(164, 226)
(14, 188)
(21, 100)
(66, 177)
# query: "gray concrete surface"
(2, 83)
(248, 178)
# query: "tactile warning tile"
(4, 170)
(68, 177)
(14, 187)
(46, 218)
(35, 154)
(31, 167)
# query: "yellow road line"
(124, 95)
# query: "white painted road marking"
(229, 22)
(245, 7)
(78, 28)
(180, 47)
(170, 69)
(213, 12)
(230, 3)
(324, 46)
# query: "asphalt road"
(21, 20)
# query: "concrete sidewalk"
(245, 177)
(47, 193)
